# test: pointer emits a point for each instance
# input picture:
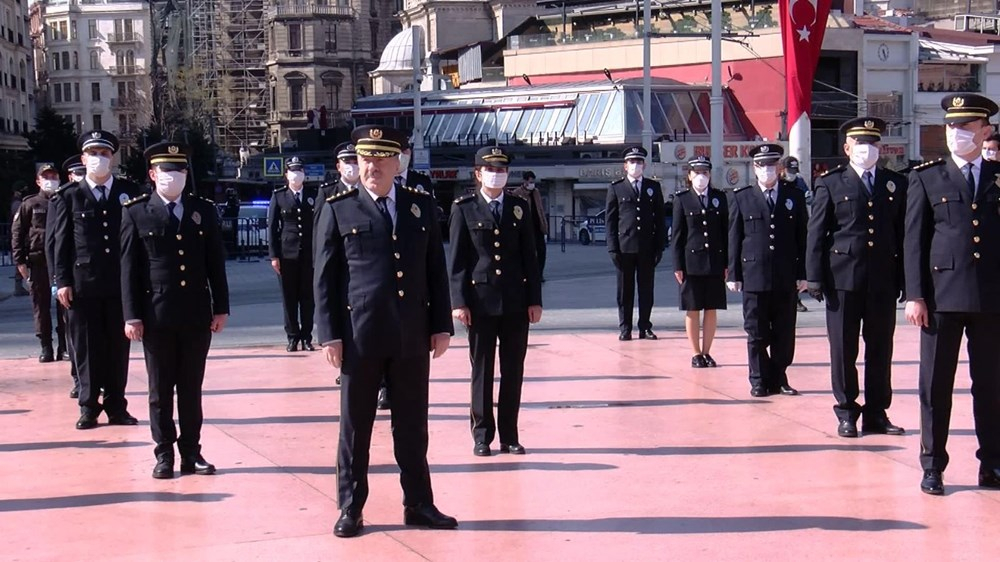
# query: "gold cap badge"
(376, 133)
(957, 101)
(869, 124)
(172, 149)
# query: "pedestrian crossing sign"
(272, 166)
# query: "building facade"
(17, 85)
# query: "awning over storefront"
(936, 51)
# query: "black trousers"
(407, 379)
(175, 358)
(635, 269)
(99, 350)
(512, 332)
(870, 315)
(40, 288)
(939, 347)
(769, 321)
(297, 297)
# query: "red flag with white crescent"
(803, 24)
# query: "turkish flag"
(803, 24)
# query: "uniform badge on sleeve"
(415, 209)
(122, 198)
(518, 213)
(196, 217)
(789, 204)
(891, 186)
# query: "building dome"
(398, 54)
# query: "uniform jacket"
(952, 242)
(87, 242)
(494, 269)
(635, 223)
(172, 280)
(383, 293)
(855, 240)
(700, 234)
(534, 198)
(416, 180)
(767, 250)
(28, 229)
(290, 224)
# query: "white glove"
(735, 286)
(801, 286)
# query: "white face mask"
(493, 180)
(766, 175)
(404, 162)
(634, 169)
(989, 154)
(960, 141)
(170, 184)
(700, 182)
(50, 185)
(349, 173)
(790, 176)
(529, 186)
(98, 165)
(77, 177)
(295, 178)
(864, 156)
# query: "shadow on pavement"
(690, 525)
(90, 500)
(18, 447)
(719, 450)
(435, 469)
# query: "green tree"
(54, 138)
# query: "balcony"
(125, 103)
(300, 10)
(127, 70)
(128, 37)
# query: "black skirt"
(703, 292)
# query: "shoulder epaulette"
(327, 184)
(832, 171)
(207, 200)
(465, 198)
(412, 190)
(65, 187)
(926, 165)
(341, 195)
(619, 180)
(135, 200)
(738, 189)
(280, 189)
(682, 191)
(517, 196)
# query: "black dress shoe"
(293, 345)
(383, 399)
(164, 468)
(847, 428)
(883, 426)
(787, 390)
(196, 464)
(698, 362)
(481, 450)
(625, 335)
(349, 524)
(709, 362)
(515, 449)
(989, 478)
(426, 515)
(86, 421)
(47, 356)
(647, 335)
(932, 483)
(307, 345)
(61, 354)
(759, 391)
(74, 393)
(123, 418)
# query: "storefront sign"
(681, 152)
(439, 174)
(600, 173)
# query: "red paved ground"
(632, 455)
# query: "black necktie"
(867, 177)
(970, 179)
(770, 201)
(298, 198)
(383, 207)
(100, 190)
(704, 200)
(174, 222)
(495, 209)
(635, 185)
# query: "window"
(67, 91)
(76, 91)
(95, 91)
(294, 39)
(95, 60)
(92, 30)
(65, 60)
(72, 30)
(374, 36)
(296, 91)
(63, 30)
(128, 28)
(57, 93)
(76, 60)
(332, 81)
(78, 123)
(98, 121)
(55, 61)
(331, 38)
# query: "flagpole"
(715, 101)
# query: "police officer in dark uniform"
(28, 251)
(767, 244)
(290, 245)
(411, 178)
(700, 236)
(88, 277)
(175, 295)
(951, 257)
(854, 259)
(382, 301)
(347, 168)
(636, 237)
(496, 291)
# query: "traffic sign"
(422, 159)
(273, 167)
(315, 172)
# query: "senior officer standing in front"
(701, 254)
(854, 260)
(382, 307)
(636, 235)
(88, 277)
(290, 245)
(952, 261)
(175, 295)
(496, 291)
(767, 243)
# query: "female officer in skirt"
(701, 218)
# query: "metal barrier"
(245, 238)
(6, 257)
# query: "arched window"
(95, 60)
(21, 69)
(130, 58)
(332, 80)
(296, 82)
(120, 59)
